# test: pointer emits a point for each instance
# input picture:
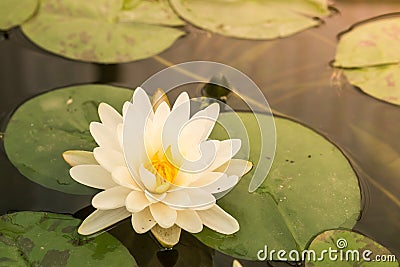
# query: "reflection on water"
(295, 76)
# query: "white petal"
(154, 198)
(101, 219)
(223, 184)
(182, 103)
(177, 199)
(226, 150)
(79, 157)
(238, 167)
(154, 133)
(143, 221)
(207, 178)
(111, 198)
(104, 136)
(164, 215)
(120, 130)
(92, 175)
(136, 201)
(189, 221)
(147, 178)
(109, 116)
(122, 176)
(200, 198)
(109, 159)
(218, 220)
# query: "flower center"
(164, 171)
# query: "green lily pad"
(260, 19)
(45, 126)
(381, 82)
(311, 187)
(13, 13)
(353, 246)
(48, 239)
(372, 43)
(151, 12)
(370, 56)
(91, 31)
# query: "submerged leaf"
(47, 125)
(352, 246)
(91, 31)
(261, 19)
(48, 239)
(311, 187)
(14, 13)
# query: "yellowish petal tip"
(158, 97)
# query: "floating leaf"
(381, 82)
(311, 187)
(372, 43)
(48, 239)
(13, 13)
(91, 31)
(351, 244)
(49, 124)
(151, 12)
(262, 19)
(370, 54)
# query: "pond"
(295, 75)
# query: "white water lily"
(157, 166)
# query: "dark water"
(296, 78)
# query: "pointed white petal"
(122, 176)
(92, 175)
(79, 157)
(120, 129)
(136, 201)
(182, 103)
(104, 136)
(109, 159)
(223, 184)
(189, 221)
(226, 150)
(125, 107)
(218, 220)
(147, 178)
(101, 219)
(154, 133)
(111, 198)
(238, 167)
(109, 116)
(143, 221)
(177, 199)
(164, 215)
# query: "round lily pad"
(370, 56)
(262, 19)
(48, 239)
(45, 126)
(96, 31)
(14, 13)
(353, 249)
(311, 187)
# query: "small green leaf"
(92, 31)
(48, 239)
(47, 125)
(351, 246)
(14, 13)
(311, 187)
(260, 19)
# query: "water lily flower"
(156, 165)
